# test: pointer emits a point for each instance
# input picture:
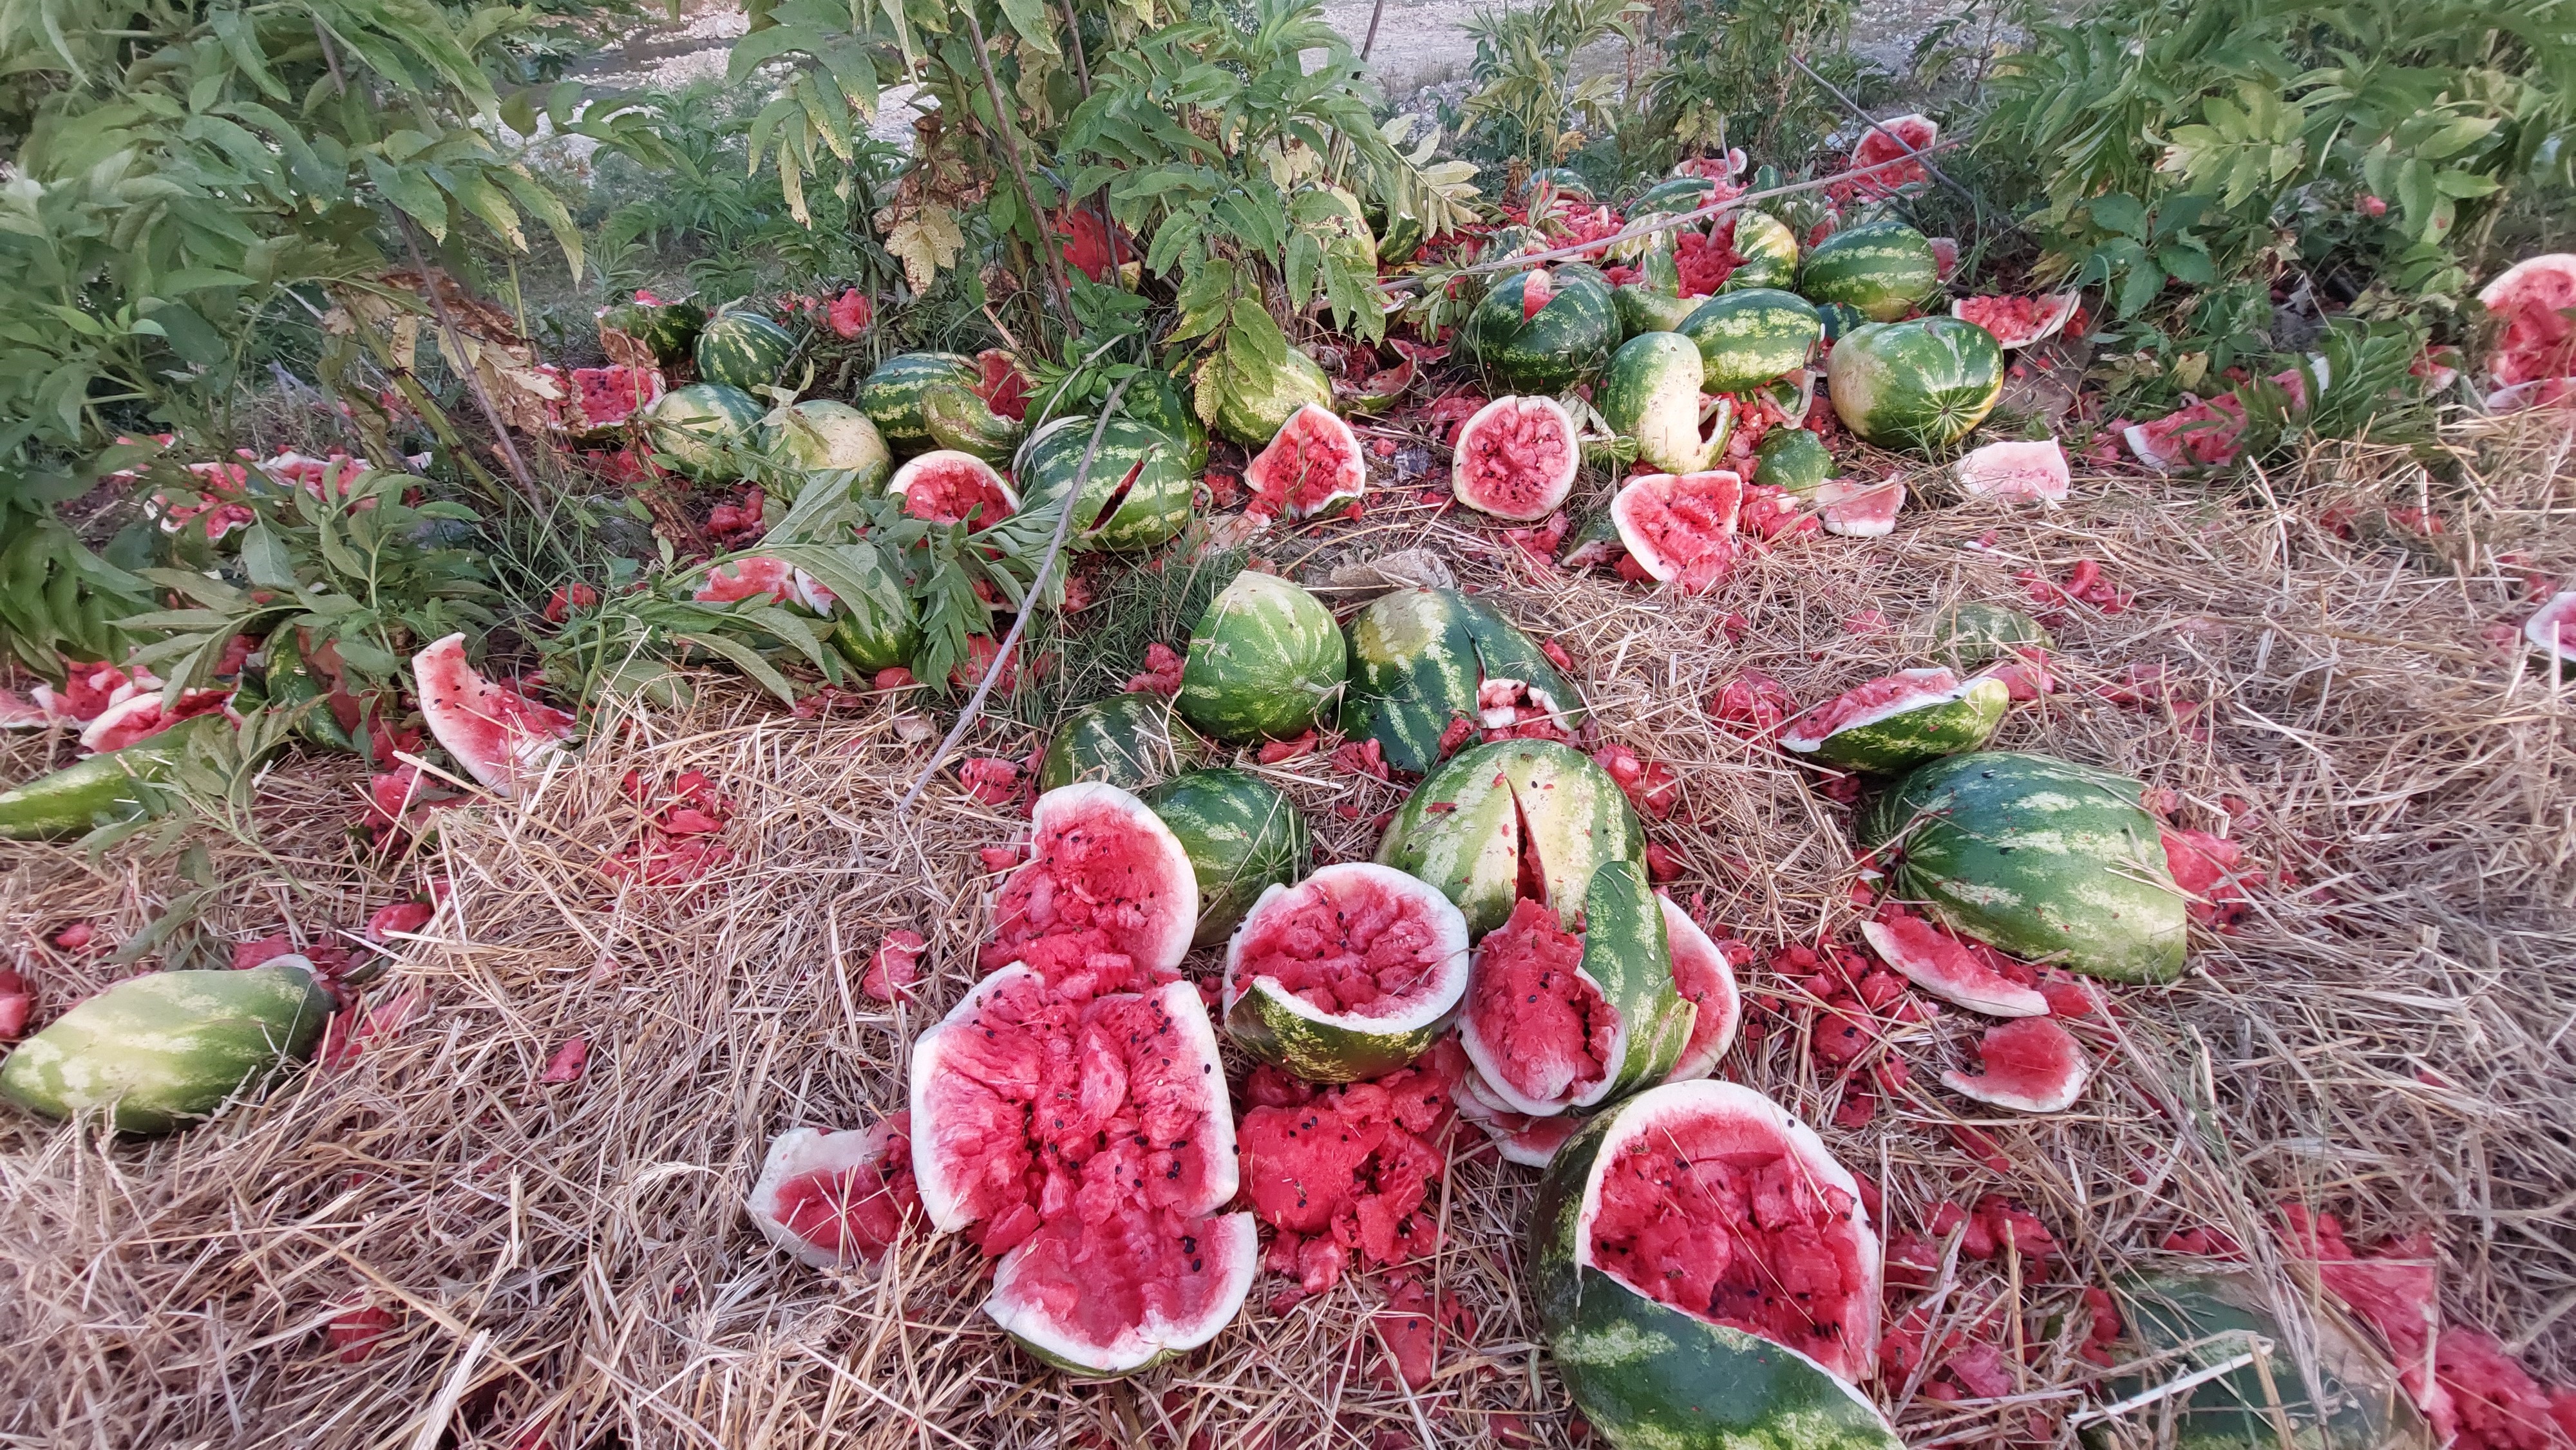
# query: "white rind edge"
(795, 1153)
(901, 483)
(1091, 794)
(1678, 927)
(2014, 1000)
(1557, 488)
(1446, 917)
(1791, 739)
(1241, 1256)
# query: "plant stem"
(1010, 138)
(473, 374)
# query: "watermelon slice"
(1948, 968)
(1888, 141)
(1348, 974)
(2015, 470)
(835, 1200)
(762, 577)
(2019, 321)
(1516, 458)
(1704, 978)
(1860, 510)
(139, 717)
(2552, 631)
(945, 486)
(1521, 1138)
(1680, 527)
(1536, 288)
(2206, 434)
(605, 398)
(2030, 1065)
(1107, 900)
(2534, 300)
(501, 737)
(1313, 463)
(1901, 720)
(1556, 1020)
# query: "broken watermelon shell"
(1857, 510)
(2190, 1322)
(1900, 721)
(1531, 1020)
(1103, 1205)
(2019, 321)
(835, 1200)
(2537, 340)
(1514, 818)
(1516, 458)
(2030, 1065)
(1107, 890)
(1364, 965)
(1421, 658)
(2552, 632)
(1705, 979)
(1633, 1215)
(1680, 527)
(2015, 470)
(1947, 968)
(1312, 464)
(501, 737)
(1975, 633)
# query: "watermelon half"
(945, 486)
(1117, 1105)
(501, 737)
(1679, 1312)
(1948, 968)
(1858, 510)
(1557, 1019)
(2019, 321)
(983, 415)
(1312, 464)
(1516, 458)
(1705, 979)
(2015, 470)
(1900, 721)
(1512, 819)
(836, 1200)
(1898, 139)
(2532, 302)
(1107, 892)
(1348, 974)
(1680, 528)
(2030, 1065)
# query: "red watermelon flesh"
(1313, 463)
(2030, 1065)
(1860, 510)
(1346, 946)
(948, 487)
(1681, 527)
(763, 577)
(2016, 470)
(2196, 435)
(1866, 704)
(1545, 1030)
(500, 736)
(1001, 384)
(1516, 459)
(1944, 966)
(609, 396)
(1536, 288)
(1718, 1217)
(1887, 141)
(141, 717)
(1945, 255)
(2019, 321)
(1352, 1164)
(2533, 299)
(838, 1198)
(1107, 900)
(1704, 977)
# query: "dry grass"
(2391, 1039)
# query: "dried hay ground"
(2392, 1039)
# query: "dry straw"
(2392, 1039)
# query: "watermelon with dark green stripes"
(1251, 409)
(1747, 338)
(1266, 660)
(1766, 252)
(1644, 309)
(1348, 974)
(892, 395)
(1510, 819)
(1918, 384)
(1884, 268)
(2040, 858)
(1974, 633)
(1667, 1303)
(1794, 459)
(1136, 495)
(1543, 330)
(1130, 741)
(1424, 658)
(1242, 836)
(1565, 1017)
(697, 426)
(1901, 721)
(743, 350)
(1675, 194)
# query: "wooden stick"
(1010, 138)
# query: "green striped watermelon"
(70, 801)
(1974, 633)
(1242, 836)
(2041, 858)
(1644, 309)
(1840, 319)
(1674, 195)
(1747, 338)
(1508, 813)
(820, 435)
(1421, 658)
(1159, 403)
(1565, 339)
(1540, 993)
(650, 334)
(1768, 253)
(1899, 722)
(1137, 494)
(1918, 384)
(1252, 410)
(878, 625)
(1794, 459)
(167, 1049)
(1400, 239)
(2187, 1322)
(1348, 974)
(743, 350)
(1884, 268)
(698, 426)
(1652, 393)
(1757, 1369)
(1131, 741)
(891, 396)
(1265, 660)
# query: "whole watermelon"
(1265, 660)
(1242, 836)
(167, 1049)
(2038, 857)
(1747, 338)
(820, 435)
(1651, 393)
(1918, 384)
(743, 350)
(1884, 268)
(1130, 741)
(892, 395)
(1565, 341)
(696, 425)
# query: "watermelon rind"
(1137, 466)
(1974, 633)
(1461, 830)
(959, 419)
(1793, 459)
(1468, 485)
(892, 395)
(2541, 632)
(2001, 997)
(667, 332)
(792, 1155)
(1130, 741)
(2056, 309)
(1252, 409)
(743, 350)
(504, 739)
(1156, 401)
(1270, 1023)
(1305, 429)
(163, 1050)
(1768, 251)
(1418, 658)
(698, 426)
(1643, 309)
(1648, 1375)
(1232, 1239)
(1919, 384)
(1675, 194)
(1651, 393)
(1747, 338)
(1682, 934)
(71, 801)
(923, 464)
(1906, 733)
(1883, 268)
(2041, 858)
(1265, 660)
(1628, 958)
(2189, 1322)
(2054, 1097)
(820, 435)
(1566, 343)
(1242, 837)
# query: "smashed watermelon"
(1949, 968)
(142, 716)
(1106, 901)
(837, 1199)
(1680, 528)
(1705, 979)
(1517, 457)
(2534, 304)
(606, 398)
(945, 486)
(2016, 470)
(1353, 1168)
(1312, 464)
(2019, 321)
(502, 738)
(1889, 140)
(2030, 1065)
(1860, 510)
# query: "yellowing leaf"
(924, 242)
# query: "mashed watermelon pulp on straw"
(1728, 1225)
(1685, 523)
(1352, 1164)
(1549, 1030)
(859, 1211)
